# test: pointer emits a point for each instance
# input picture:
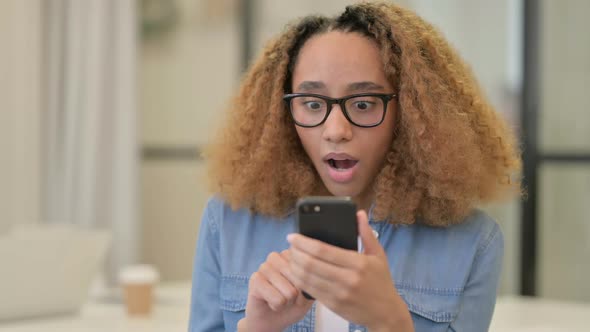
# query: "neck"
(363, 202)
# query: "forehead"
(339, 57)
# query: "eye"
(313, 105)
(363, 105)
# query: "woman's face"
(348, 158)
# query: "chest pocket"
(432, 309)
(233, 295)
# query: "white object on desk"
(47, 269)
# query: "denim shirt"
(447, 276)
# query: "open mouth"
(341, 164)
(342, 167)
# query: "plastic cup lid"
(138, 274)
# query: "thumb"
(370, 243)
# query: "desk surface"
(524, 314)
(170, 314)
(173, 300)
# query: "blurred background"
(105, 106)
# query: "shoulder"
(239, 231)
(215, 206)
(221, 216)
(476, 234)
(218, 211)
(429, 251)
(478, 227)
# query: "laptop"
(48, 269)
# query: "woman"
(373, 104)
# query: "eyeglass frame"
(385, 97)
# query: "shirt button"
(376, 236)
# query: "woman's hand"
(356, 286)
(273, 301)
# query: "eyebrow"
(307, 86)
(364, 86)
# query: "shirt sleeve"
(205, 312)
(479, 295)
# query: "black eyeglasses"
(363, 110)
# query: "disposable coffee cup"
(138, 283)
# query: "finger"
(262, 289)
(286, 255)
(371, 245)
(287, 272)
(323, 251)
(310, 265)
(311, 282)
(322, 290)
(301, 299)
(275, 269)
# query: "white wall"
(19, 111)
(185, 79)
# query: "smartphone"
(329, 219)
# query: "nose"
(337, 128)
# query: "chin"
(339, 189)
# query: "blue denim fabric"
(447, 276)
